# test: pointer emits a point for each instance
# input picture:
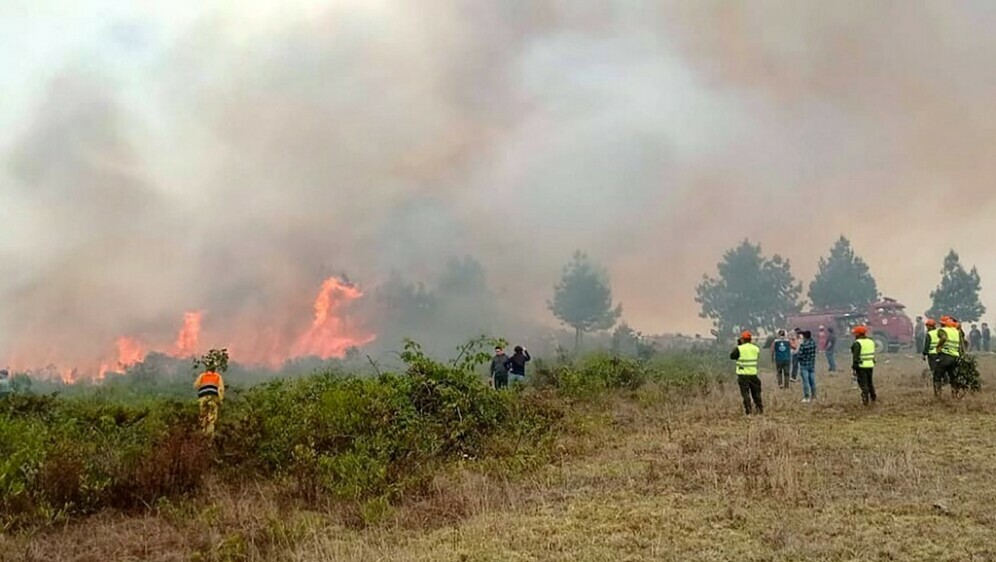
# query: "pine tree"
(843, 280)
(752, 292)
(583, 298)
(958, 293)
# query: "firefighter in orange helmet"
(210, 393)
(863, 364)
(950, 349)
(746, 354)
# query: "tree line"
(749, 291)
(755, 292)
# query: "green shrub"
(966, 377)
(365, 441)
(355, 438)
(688, 372)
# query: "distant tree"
(463, 276)
(21, 383)
(752, 292)
(404, 302)
(958, 293)
(583, 298)
(215, 360)
(625, 340)
(842, 281)
(628, 342)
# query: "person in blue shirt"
(781, 355)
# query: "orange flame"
(129, 352)
(186, 340)
(329, 335)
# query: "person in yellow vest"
(950, 347)
(746, 354)
(929, 344)
(210, 392)
(863, 364)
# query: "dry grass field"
(911, 478)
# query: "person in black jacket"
(517, 365)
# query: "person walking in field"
(781, 356)
(517, 364)
(210, 393)
(499, 368)
(807, 366)
(863, 364)
(746, 354)
(987, 338)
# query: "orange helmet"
(949, 322)
(860, 331)
(930, 322)
(746, 336)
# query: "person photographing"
(746, 354)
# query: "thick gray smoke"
(391, 136)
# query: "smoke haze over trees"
(842, 281)
(583, 297)
(958, 293)
(227, 158)
(752, 292)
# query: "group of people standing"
(942, 346)
(506, 369)
(977, 340)
(795, 358)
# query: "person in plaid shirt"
(807, 366)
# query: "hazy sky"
(157, 157)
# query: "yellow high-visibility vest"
(952, 347)
(933, 338)
(867, 353)
(749, 355)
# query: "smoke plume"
(381, 138)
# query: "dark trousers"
(932, 365)
(866, 381)
(986, 344)
(501, 380)
(782, 373)
(945, 372)
(750, 388)
(795, 366)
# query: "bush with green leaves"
(966, 377)
(73, 457)
(328, 437)
(354, 438)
